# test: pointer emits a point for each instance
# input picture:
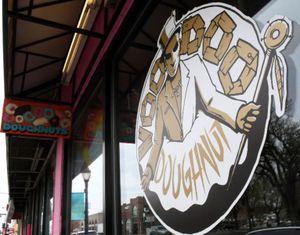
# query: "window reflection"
(137, 217)
(95, 206)
(87, 171)
(272, 198)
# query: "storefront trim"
(56, 220)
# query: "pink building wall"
(56, 216)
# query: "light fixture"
(86, 20)
(86, 174)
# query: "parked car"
(277, 231)
(159, 229)
(90, 232)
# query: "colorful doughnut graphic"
(48, 113)
(29, 117)
(10, 108)
(19, 119)
(68, 113)
(33, 118)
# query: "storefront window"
(272, 198)
(87, 169)
(42, 202)
(136, 215)
(50, 215)
(49, 197)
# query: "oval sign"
(203, 113)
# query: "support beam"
(24, 181)
(53, 24)
(23, 172)
(21, 188)
(39, 88)
(111, 200)
(24, 75)
(144, 47)
(46, 4)
(43, 169)
(30, 137)
(26, 55)
(25, 158)
(16, 193)
(39, 67)
(37, 54)
(12, 51)
(56, 218)
(42, 40)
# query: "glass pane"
(137, 217)
(87, 170)
(272, 198)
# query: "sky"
(288, 8)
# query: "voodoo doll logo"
(204, 110)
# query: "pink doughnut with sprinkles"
(10, 108)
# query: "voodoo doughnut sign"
(36, 119)
(204, 110)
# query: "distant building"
(136, 216)
(95, 223)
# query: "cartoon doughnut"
(40, 121)
(10, 108)
(68, 113)
(29, 117)
(48, 113)
(19, 119)
(65, 123)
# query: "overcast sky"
(290, 9)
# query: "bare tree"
(251, 200)
(280, 160)
(272, 200)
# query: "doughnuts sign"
(37, 119)
(203, 112)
